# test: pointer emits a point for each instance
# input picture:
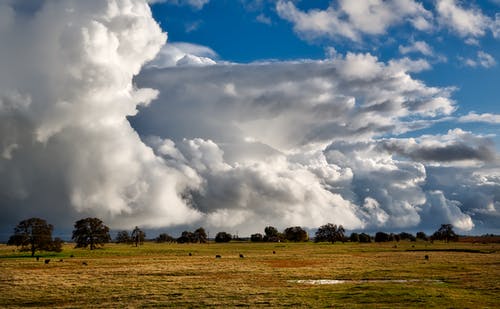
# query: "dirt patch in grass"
(452, 250)
(282, 263)
(480, 239)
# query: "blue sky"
(235, 32)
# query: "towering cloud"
(300, 143)
(66, 90)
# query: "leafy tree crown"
(90, 232)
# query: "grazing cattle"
(60, 260)
(71, 256)
(218, 256)
(274, 252)
(38, 258)
(84, 263)
(241, 256)
(47, 261)
(426, 257)
(190, 254)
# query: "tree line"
(35, 234)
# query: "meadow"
(308, 275)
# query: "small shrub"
(365, 238)
(354, 237)
(164, 237)
(382, 237)
(256, 237)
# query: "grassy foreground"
(458, 275)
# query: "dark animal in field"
(190, 254)
(47, 261)
(218, 256)
(38, 258)
(426, 257)
(60, 260)
(241, 256)
(71, 256)
(84, 263)
(274, 252)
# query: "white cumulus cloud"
(417, 47)
(298, 142)
(67, 147)
(486, 117)
(181, 53)
(466, 22)
(354, 19)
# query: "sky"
(237, 115)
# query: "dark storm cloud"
(443, 153)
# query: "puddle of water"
(333, 281)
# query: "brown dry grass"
(164, 275)
(480, 239)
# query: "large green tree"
(272, 234)
(330, 232)
(354, 237)
(445, 233)
(256, 237)
(123, 237)
(363, 237)
(90, 232)
(186, 237)
(382, 237)
(33, 235)
(422, 236)
(295, 233)
(223, 237)
(200, 235)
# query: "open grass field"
(456, 275)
